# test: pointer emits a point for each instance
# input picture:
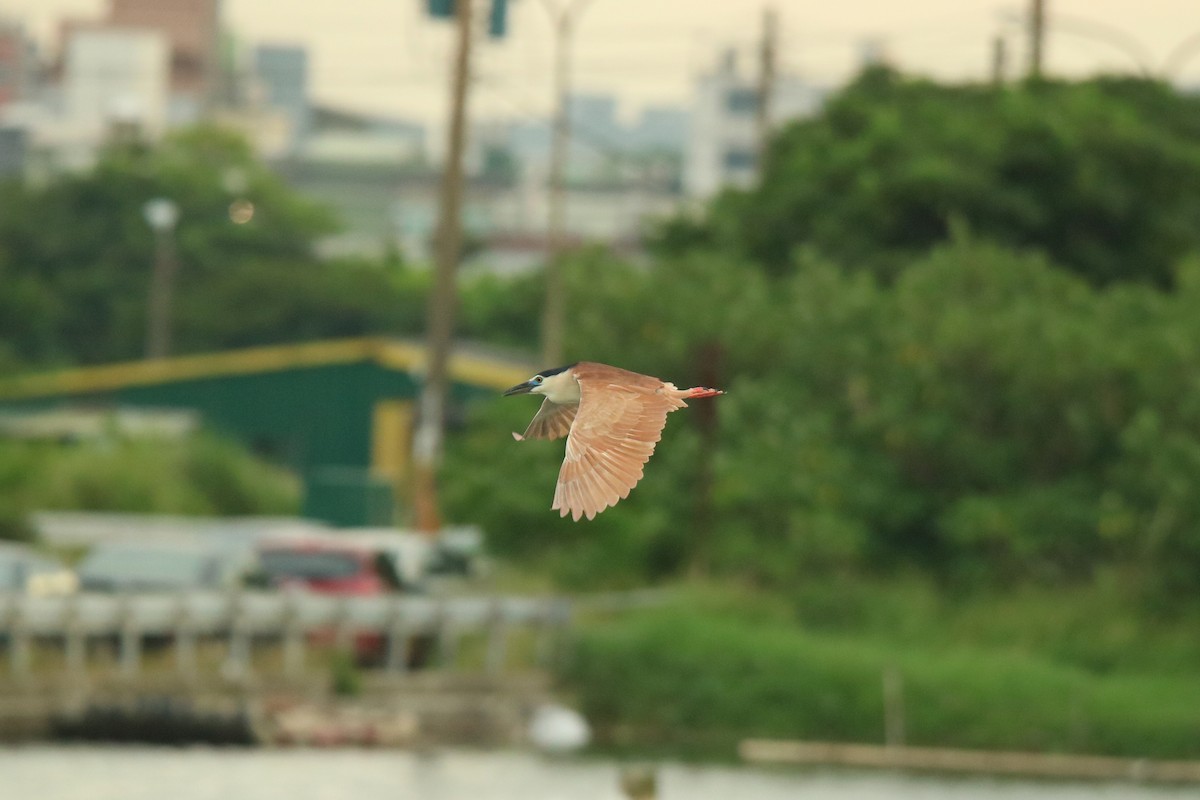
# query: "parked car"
(24, 570)
(165, 566)
(326, 566)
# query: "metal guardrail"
(1057, 766)
(242, 618)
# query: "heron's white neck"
(561, 388)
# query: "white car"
(24, 570)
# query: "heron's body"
(612, 419)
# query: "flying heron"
(612, 419)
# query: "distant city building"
(661, 128)
(115, 77)
(192, 31)
(602, 148)
(281, 75)
(723, 145)
(13, 151)
(19, 74)
(596, 135)
(367, 169)
(595, 114)
(18, 64)
(346, 137)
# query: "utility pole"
(161, 214)
(427, 440)
(563, 19)
(766, 84)
(999, 60)
(1037, 38)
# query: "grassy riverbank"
(1071, 671)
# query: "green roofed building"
(340, 412)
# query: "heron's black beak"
(520, 388)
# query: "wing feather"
(618, 422)
(552, 421)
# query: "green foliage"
(500, 311)
(200, 475)
(76, 255)
(234, 484)
(696, 677)
(345, 678)
(985, 416)
(1099, 175)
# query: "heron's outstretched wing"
(620, 419)
(552, 421)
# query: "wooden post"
(397, 639)
(131, 641)
(893, 707)
(241, 662)
(293, 639)
(20, 650)
(74, 642)
(447, 637)
(343, 638)
(497, 640)
(237, 665)
(185, 642)
(555, 616)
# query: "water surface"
(52, 772)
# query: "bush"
(200, 474)
(695, 680)
(986, 416)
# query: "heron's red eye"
(537, 379)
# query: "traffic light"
(498, 19)
(497, 16)
(443, 9)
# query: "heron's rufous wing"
(552, 421)
(620, 420)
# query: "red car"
(333, 568)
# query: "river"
(51, 772)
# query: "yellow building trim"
(474, 370)
(391, 438)
(394, 355)
(83, 380)
(399, 356)
(486, 372)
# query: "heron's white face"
(561, 388)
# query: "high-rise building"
(13, 151)
(281, 74)
(18, 63)
(116, 78)
(723, 145)
(191, 29)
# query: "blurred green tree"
(985, 416)
(75, 257)
(1100, 175)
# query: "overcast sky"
(384, 56)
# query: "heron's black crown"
(546, 373)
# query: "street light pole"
(1040, 25)
(563, 18)
(1037, 38)
(427, 438)
(162, 215)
